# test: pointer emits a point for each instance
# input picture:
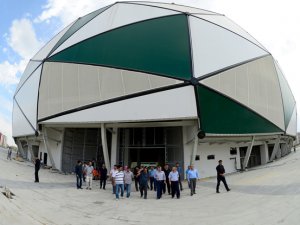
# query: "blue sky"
(26, 25)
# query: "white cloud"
(22, 38)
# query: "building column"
(114, 146)
(275, 149)
(264, 152)
(104, 146)
(48, 149)
(195, 149)
(32, 156)
(248, 153)
(20, 148)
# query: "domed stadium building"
(143, 83)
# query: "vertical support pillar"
(264, 152)
(126, 150)
(20, 147)
(248, 153)
(275, 149)
(104, 146)
(195, 149)
(32, 156)
(48, 149)
(114, 146)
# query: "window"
(233, 151)
(210, 157)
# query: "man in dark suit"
(37, 166)
(221, 177)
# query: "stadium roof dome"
(146, 61)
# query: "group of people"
(162, 180)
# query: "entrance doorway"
(150, 146)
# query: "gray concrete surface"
(267, 195)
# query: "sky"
(27, 25)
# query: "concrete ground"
(267, 195)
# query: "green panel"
(159, 46)
(287, 97)
(221, 115)
(77, 25)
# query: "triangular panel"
(292, 127)
(177, 103)
(116, 16)
(221, 115)
(77, 25)
(66, 86)
(225, 22)
(31, 66)
(158, 46)
(43, 52)
(254, 84)
(176, 7)
(215, 48)
(287, 96)
(20, 126)
(27, 97)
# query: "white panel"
(116, 16)
(42, 54)
(230, 25)
(292, 127)
(111, 83)
(20, 126)
(255, 85)
(70, 84)
(135, 82)
(180, 8)
(215, 48)
(178, 103)
(31, 66)
(27, 97)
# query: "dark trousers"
(168, 187)
(136, 182)
(36, 174)
(180, 184)
(143, 190)
(152, 183)
(159, 188)
(78, 181)
(102, 183)
(175, 189)
(219, 179)
(193, 182)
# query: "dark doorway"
(255, 157)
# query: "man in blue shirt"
(152, 172)
(192, 177)
(144, 177)
(179, 170)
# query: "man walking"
(112, 175)
(103, 176)
(179, 170)
(89, 175)
(152, 172)
(160, 180)
(221, 177)
(119, 182)
(144, 177)
(37, 166)
(128, 176)
(174, 181)
(167, 172)
(79, 172)
(192, 179)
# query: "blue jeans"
(159, 188)
(128, 190)
(79, 181)
(118, 187)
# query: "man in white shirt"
(128, 176)
(112, 174)
(89, 175)
(174, 182)
(119, 181)
(160, 178)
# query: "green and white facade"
(134, 82)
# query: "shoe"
(122, 197)
(194, 193)
(217, 192)
(178, 197)
(228, 189)
(103, 188)
(145, 198)
(80, 188)
(191, 194)
(117, 199)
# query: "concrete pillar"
(114, 146)
(104, 146)
(32, 156)
(264, 152)
(48, 149)
(275, 149)
(20, 148)
(195, 149)
(248, 153)
(126, 150)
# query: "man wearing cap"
(221, 177)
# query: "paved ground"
(268, 195)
